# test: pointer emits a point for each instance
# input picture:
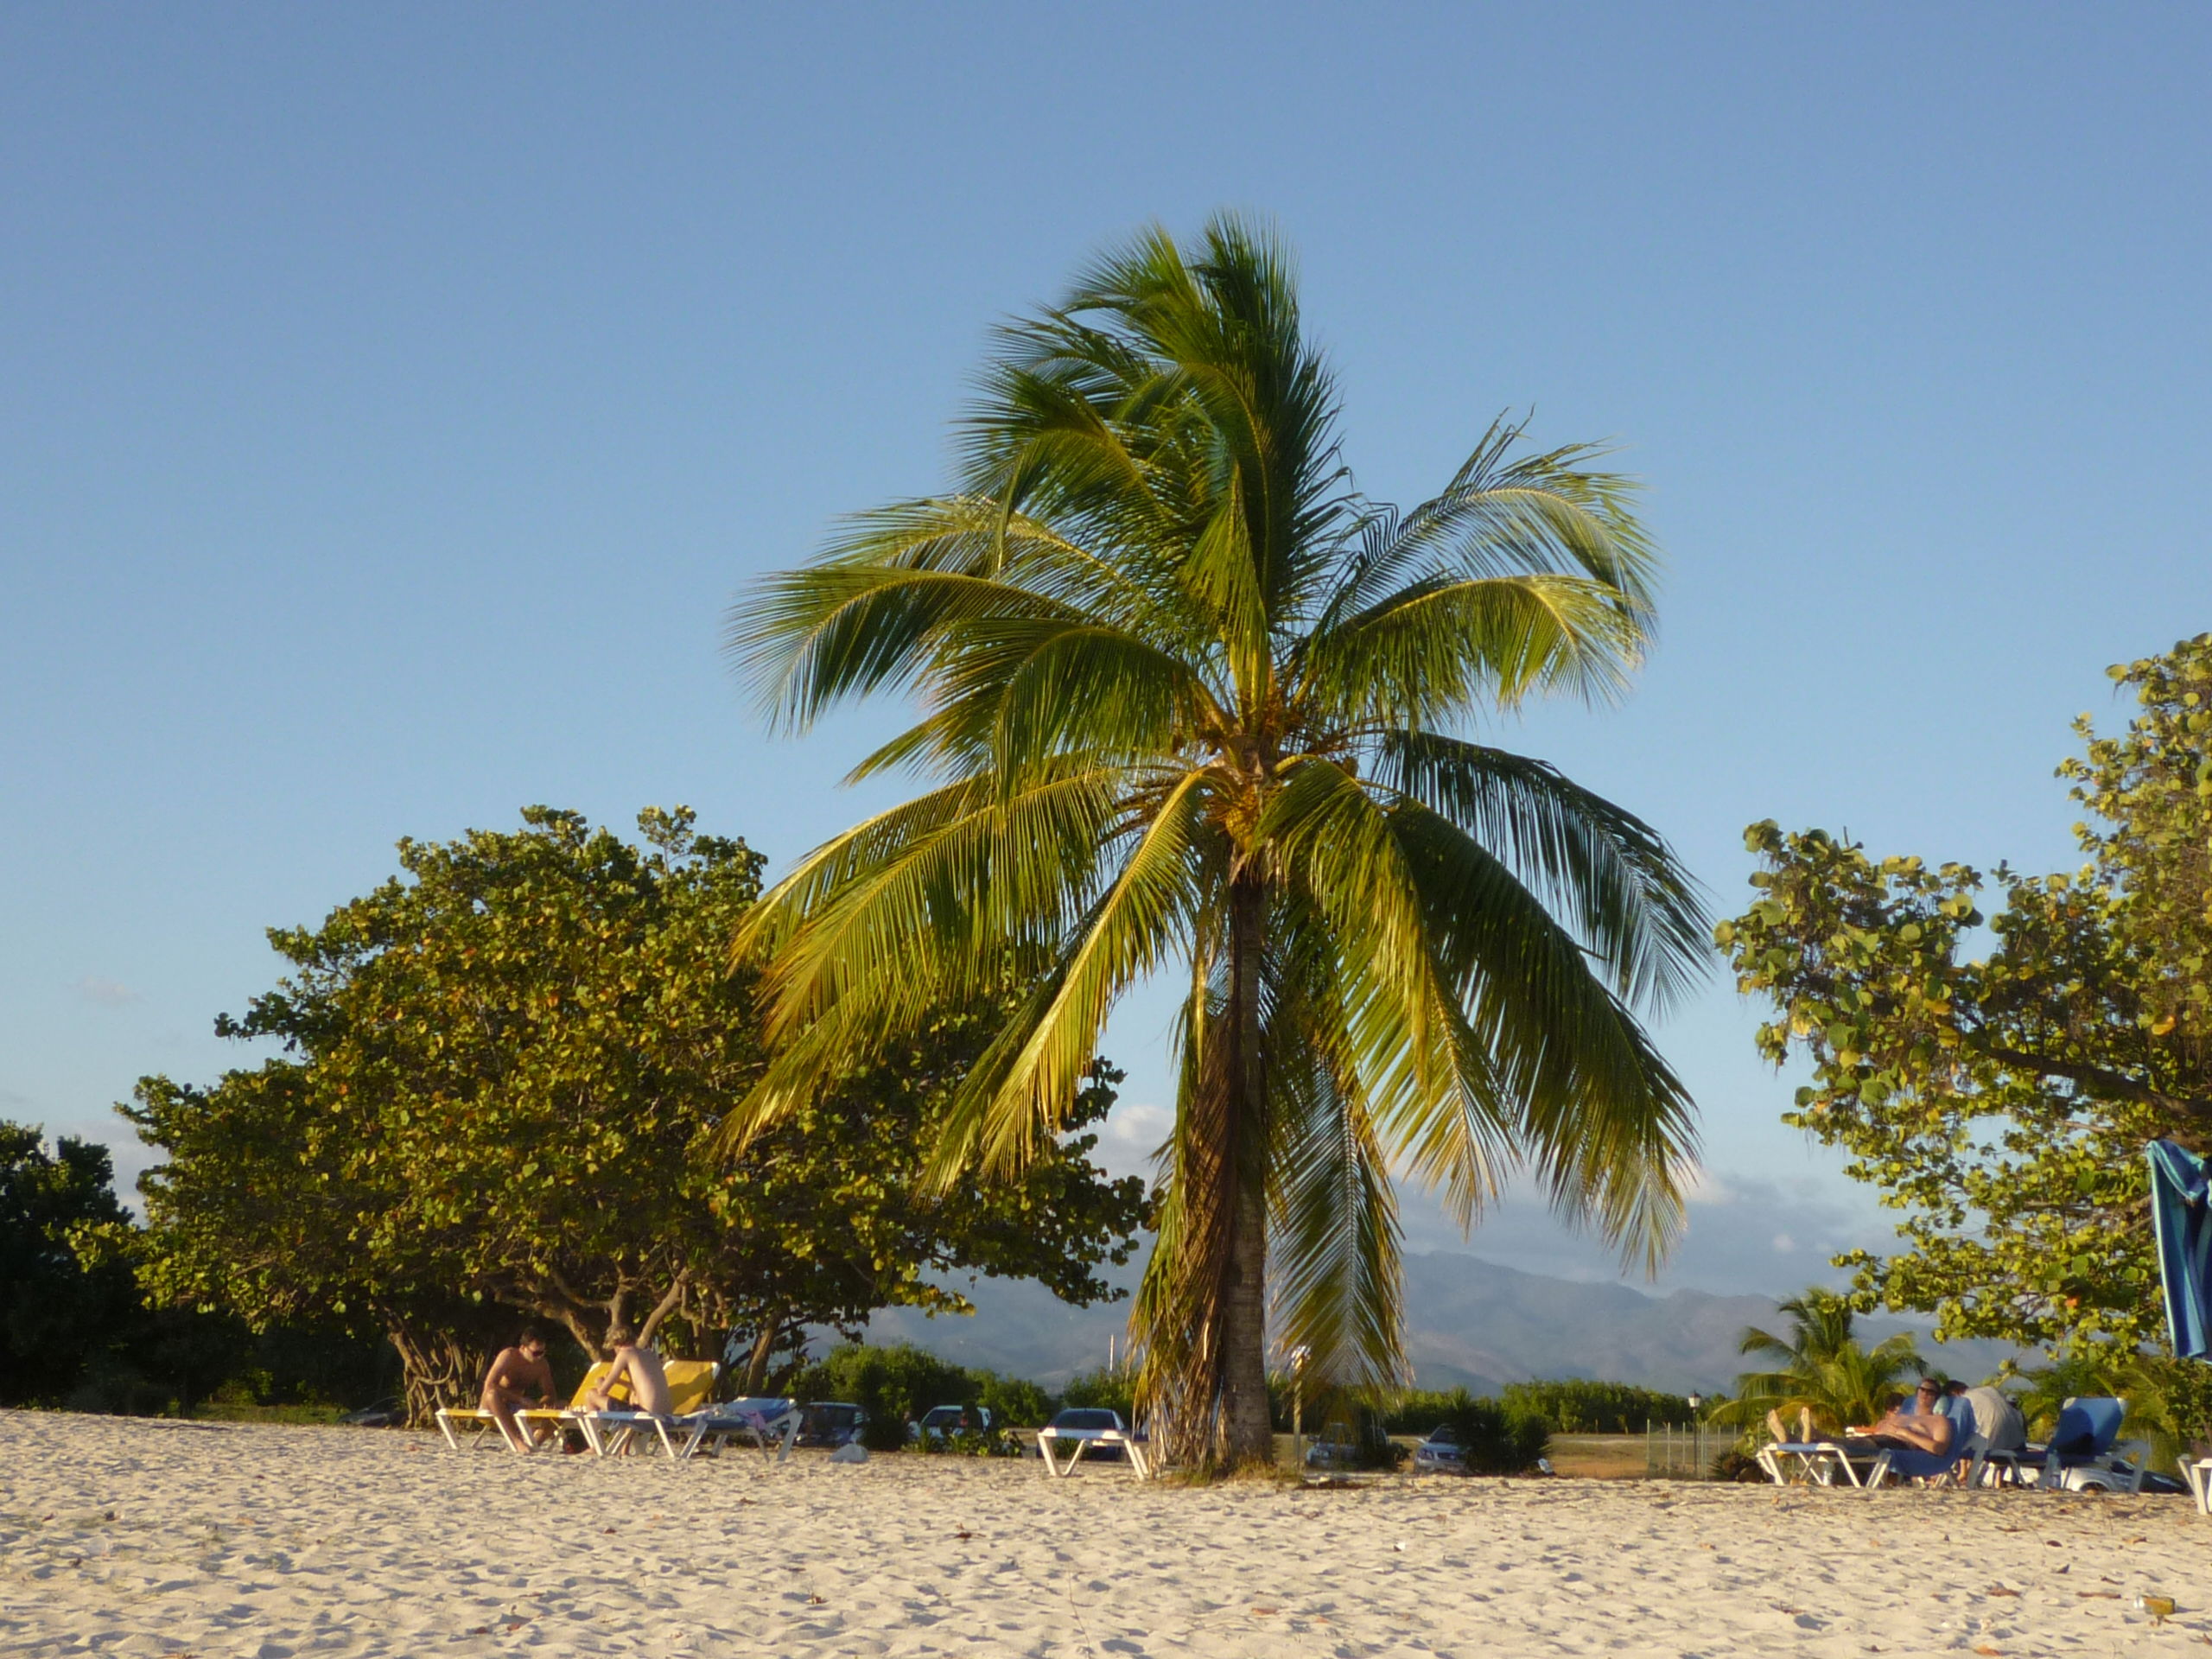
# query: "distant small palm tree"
(1821, 1367)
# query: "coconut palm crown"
(1192, 706)
(1821, 1367)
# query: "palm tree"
(1821, 1367)
(1193, 705)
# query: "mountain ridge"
(1470, 1323)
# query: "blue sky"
(391, 402)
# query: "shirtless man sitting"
(640, 1367)
(1919, 1426)
(516, 1375)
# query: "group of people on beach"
(1930, 1427)
(521, 1376)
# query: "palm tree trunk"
(1248, 1433)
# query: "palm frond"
(1610, 872)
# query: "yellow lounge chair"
(449, 1416)
(690, 1382)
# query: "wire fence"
(1684, 1453)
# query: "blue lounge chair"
(2084, 1452)
(1969, 1445)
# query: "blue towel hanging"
(2182, 1222)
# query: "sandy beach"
(133, 1537)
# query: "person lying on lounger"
(640, 1366)
(519, 1373)
(1918, 1426)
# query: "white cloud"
(107, 992)
(1131, 1135)
(1706, 1187)
(1783, 1244)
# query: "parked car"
(385, 1413)
(1440, 1453)
(831, 1422)
(945, 1421)
(1084, 1422)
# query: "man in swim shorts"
(516, 1375)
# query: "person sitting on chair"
(518, 1373)
(640, 1367)
(1921, 1441)
(1917, 1426)
(1997, 1417)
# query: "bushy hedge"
(1577, 1406)
(1497, 1439)
(1110, 1390)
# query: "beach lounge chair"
(613, 1431)
(1805, 1458)
(450, 1416)
(2197, 1472)
(2085, 1450)
(1080, 1429)
(771, 1424)
(1815, 1462)
(1969, 1447)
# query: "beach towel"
(2183, 1224)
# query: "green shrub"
(899, 1382)
(1111, 1390)
(1576, 1406)
(970, 1443)
(1014, 1402)
(1497, 1440)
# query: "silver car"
(1440, 1453)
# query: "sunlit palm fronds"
(1189, 703)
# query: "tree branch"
(666, 1305)
(2099, 1077)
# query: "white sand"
(144, 1538)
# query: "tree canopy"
(498, 1072)
(58, 1308)
(1193, 706)
(1999, 1086)
(1819, 1366)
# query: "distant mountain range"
(1469, 1322)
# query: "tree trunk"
(1247, 1434)
(441, 1368)
(763, 1350)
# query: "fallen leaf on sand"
(1262, 1612)
(1986, 1649)
(963, 1534)
(2098, 1595)
(1999, 1590)
(817, 1601)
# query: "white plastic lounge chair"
(1804, 1459)
(1816, 1462)
(2197, 1472)
(1080, 1430)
